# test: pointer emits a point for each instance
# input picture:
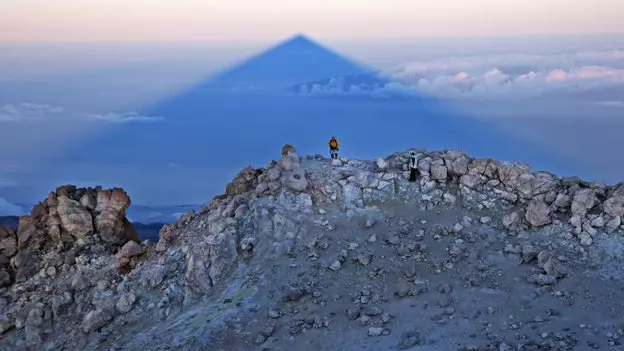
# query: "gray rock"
(126, 302)
(95, 320)
(297, 181)
(381, 164)
(542, 279)
(438, 170)
(529, 252)
(614, 205)
(562, 200)
(613, 224)
(586, 239)
(538, 213)
(375, 331)
(510, 219)
(583, 201)
(335, 265)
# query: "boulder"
(538, 213)
(438, 170)
(296, 180)
(583, 201)
(109, 223)
(614, 205)
(8, 242)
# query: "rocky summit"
(317, 254)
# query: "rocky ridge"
(75, 277)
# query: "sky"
(72, 71)
(270, 20)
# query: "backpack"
(333, 143)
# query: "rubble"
(311, 244)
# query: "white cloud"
(511, 76)
(619, 104)
(32, 112)
(8, 209)
(28, 112)
(122, 117)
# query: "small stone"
(335, 265)
(393, 239)
(126, 302)
(353, 313)
(485, 220)
(364, 259)
(491, 310)
(51, 271)
(274, 314)
(586, 239)
(458, 227)
(375, 331)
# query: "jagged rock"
(562, 200)
(111, 223)
(254, 239)
(381, 164)
(538, 213)
(598, 222)
(510, 219)
(95, 320)
(75, 219)
(586, 239)
(614, 205)
(297, 180)
(583, 201)
(438, 170)
(614, 224)
(8, 242)
(126, 303)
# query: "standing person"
(413, 165)
(333, 147)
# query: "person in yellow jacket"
(333, 147)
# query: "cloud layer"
(494, 77)
(33, 112)
(8, 209)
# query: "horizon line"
(242, 40)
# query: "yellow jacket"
(333, 144)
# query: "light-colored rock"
(439, 170)
(296, 180)
(510, 219)
(95, 320)
(614, 224)
(381, 164)
(583, 201)
(126, 302)
(614, 205)
(562, 200)
(538, 213)
(598, 222)
(586, 239)
(75, 219)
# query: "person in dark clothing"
(413, 166)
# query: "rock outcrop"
(75, 272)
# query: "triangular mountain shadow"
(212, 125)
(298, 59)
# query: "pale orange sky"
(219, 20)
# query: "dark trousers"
(333, 152)
(413, 174)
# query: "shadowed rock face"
(288, 234)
